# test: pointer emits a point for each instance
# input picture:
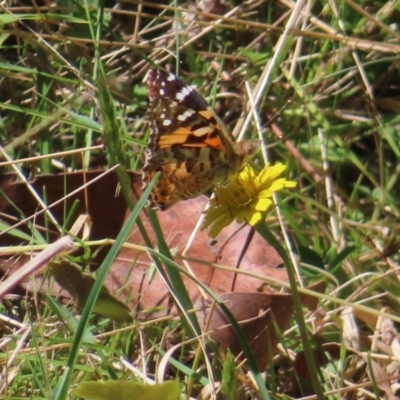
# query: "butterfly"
(189, 144)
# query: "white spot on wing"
(162, 92)
(167, 122)
(184, 116)
(189, 112)
(171, 77)
(183, 93)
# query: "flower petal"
(245, 198)
(223, 221)
(262, 203)
(254, 218)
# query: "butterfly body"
(189, 145)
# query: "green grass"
(327, 97)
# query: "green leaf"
(229, 380)
(256, 58)
(128, 390)
(79, 286)
(311, 257)
(337, 261)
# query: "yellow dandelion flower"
(246, 199)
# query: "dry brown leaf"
(177, 223)
(96, 200)
(129, 275)
(302, 371)
(260, 316)
(381, 378)
(257, 313)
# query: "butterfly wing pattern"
(189, 145)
